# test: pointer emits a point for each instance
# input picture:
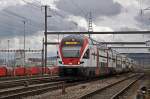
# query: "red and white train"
(78, 56)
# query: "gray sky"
(71, 15)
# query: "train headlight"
(70, 63)
(78, 63)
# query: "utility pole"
(90, 26)
(45, 34)
(45, 37)
(8, 54)
(24, 23)
(43, 57)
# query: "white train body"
(79, 56)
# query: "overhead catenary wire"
(37, 1)
(10, 14)
(33, 23)
(22, 17)
(16, 25)
(82, 11)
(52, 10)
(14, 14)
(13, 27)
(18, 19)
(33, 5)
(9, 30)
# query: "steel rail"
(104, 88)
(18, 92)
(24, 92)
(25, 82)
(24, 77)
(120, 93)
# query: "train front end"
(71, 51)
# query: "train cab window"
(71, 52)
(87, 54)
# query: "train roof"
(79, 37)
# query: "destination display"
(72, 43)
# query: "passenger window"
(87, 54)
(114, 60)
(102, 64)
(57, 55)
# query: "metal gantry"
(110, 43)
(130, 47)
(115, 32)
(45, 34)
(90, 26)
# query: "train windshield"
(71, 52)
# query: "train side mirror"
(60, 62)
(57, 53)
(81, 62)
(87, 54)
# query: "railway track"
(78, 89)
(21, 77)
(20, 92)
(30, 81)
(121, 92)
(114, 90)
(37, 89)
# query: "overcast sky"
(70, 15)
